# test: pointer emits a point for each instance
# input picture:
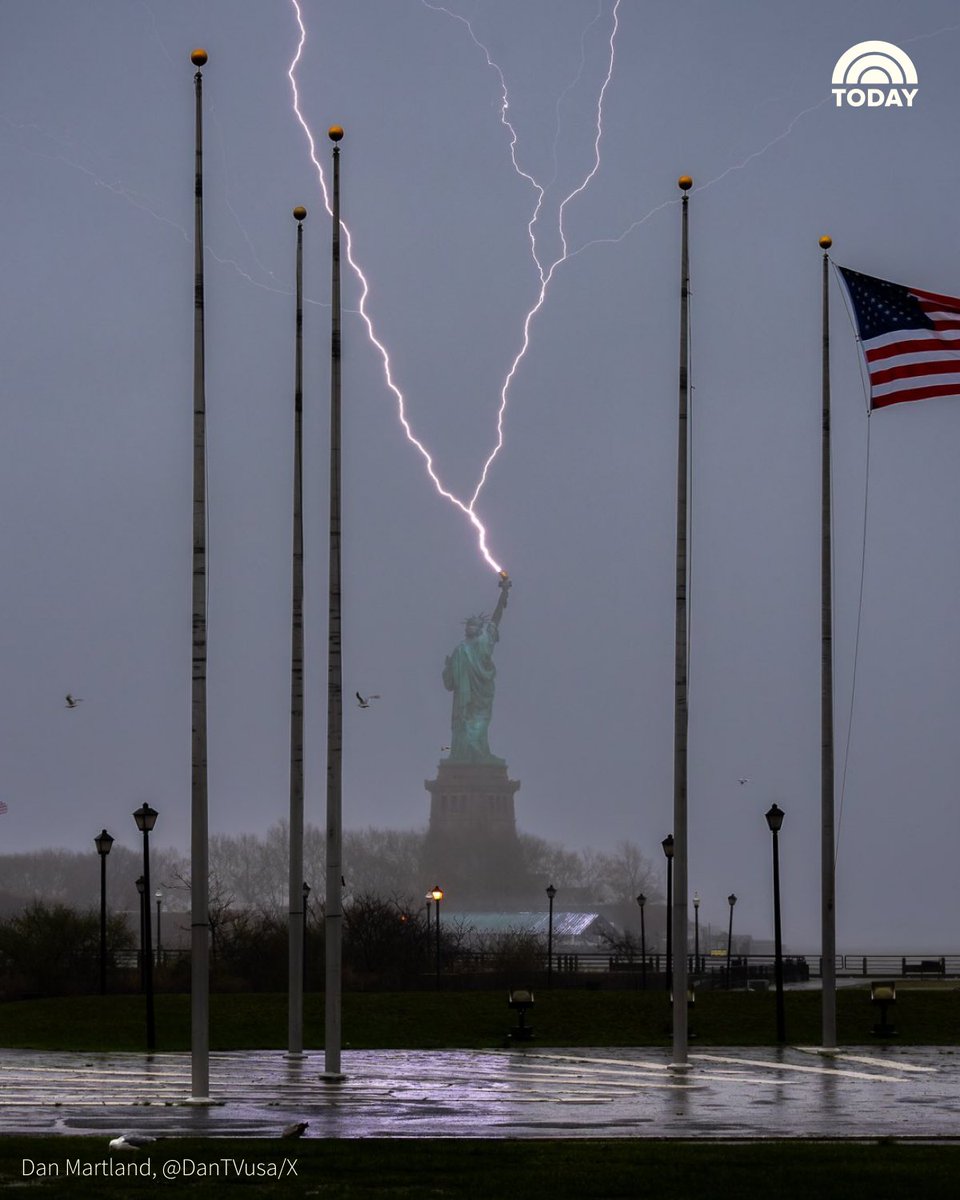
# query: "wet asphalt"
(796, 1092)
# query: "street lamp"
(642, 900)
(731, 900)
(774, 820)
(146, 818)
(437, 895)
(140, 893)
(551, 892)
(667, 845)
(696, 933)
(306, 896)
(158, 896)
(103, 842)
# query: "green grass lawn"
(560, 1170)
(924, 1015)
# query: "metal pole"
(438, 943)
(550, 895)
(148, 946)
(306, 914)
(139, 886)
(103, 924)
(199, 866)
(669, 970)
(677, 970)
(334, 897)
(158, 929)
(731, 900)
(296, 925)
(778, 942)
(828, 937)
(643, 951)
(696, 935)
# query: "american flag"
(3, 807)
(910, 339)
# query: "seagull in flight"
(743, 781)
(73, 701)
(364, 701)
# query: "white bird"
(73, 701)
(295, 1131)
(364, 702)
(131, 1141)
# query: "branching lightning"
(545, 273)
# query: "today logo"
(875, 75)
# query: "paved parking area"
(541, 1092)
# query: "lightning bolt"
(466, 509)
(545, 273)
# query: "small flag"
(3, 807)
(910, 339)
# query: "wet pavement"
(911, 1092)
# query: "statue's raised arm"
(505, 585)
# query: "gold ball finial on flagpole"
(300, 212)
(198, 57)
(826, 242)
(685, 183)
(335, 133)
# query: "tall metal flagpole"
(295, 888)
(828, 919)
(200, 916)
(678, 916)
(333, 924)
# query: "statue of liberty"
(469, 673)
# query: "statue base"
(471, 798)
(472, 849)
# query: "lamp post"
(774, 821)
(641, 901)
(306, 896)
(667, 844)
(696, 933)
(158, 896)
(551, 892)
(437, 895)
(140, 893)
(103, 842)
(146, 818)
(731, 900)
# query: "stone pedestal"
(471, 848)
(467, 799)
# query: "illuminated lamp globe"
(685, 183)
(335, 133)
(826, 242)
(300, 212)
(198, 57)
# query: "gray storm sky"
(96, 111)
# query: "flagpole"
(828, 919)
(295, 887)
(333, 923)
(678, 916)
(199, 886)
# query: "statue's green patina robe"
(469, 672)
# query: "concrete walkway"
(542, 1092)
